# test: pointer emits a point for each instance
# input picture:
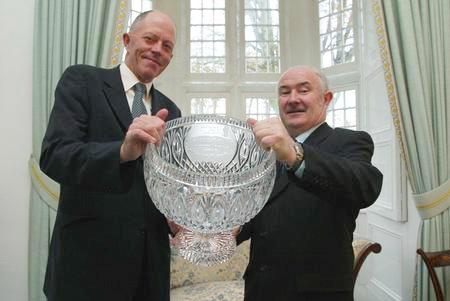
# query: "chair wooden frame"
(368, 248)
(433, 260)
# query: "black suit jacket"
(301, 240)
(106, 219)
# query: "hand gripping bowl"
(209, 176)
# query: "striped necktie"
(138, 107)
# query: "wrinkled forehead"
(298, 76)
(158, 23)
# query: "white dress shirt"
(129, 80)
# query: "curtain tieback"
(434, 202)
(47, 189)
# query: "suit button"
(263, 234)
(142, 231)
(263, 268)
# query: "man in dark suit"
(109, 241)
(301, 242)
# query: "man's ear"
(328, 96)
(126, 39)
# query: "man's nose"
(294, 96)
(157, 47)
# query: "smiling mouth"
(152, 60)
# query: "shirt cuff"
(299, 172)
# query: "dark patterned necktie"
(138, 107)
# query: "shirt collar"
(303, 136)
(129, 79)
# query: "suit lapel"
(319, 135)
(113, 89)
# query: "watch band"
(298, 158)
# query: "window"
(262, 36)
(261, 107)
(338, 56)
(233, 58)
(208, 105)
(342, 110)
(207, 36)
(336, 32)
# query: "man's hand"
(271, 134)
(144, 129)
(174, 227)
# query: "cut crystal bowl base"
(205, 249)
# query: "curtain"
(414, 40)
(65, 33)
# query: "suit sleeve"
(68, 156)
(345, 176)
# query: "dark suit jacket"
(301, 240)
(105, 220)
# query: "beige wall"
(16, 36)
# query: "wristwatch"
(298, 158)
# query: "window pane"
(136, 5)
(219, 49)
(196, 4)
(325, 42)
(196, 33)
(346, 4)
(324, 8)
(208, 4)
(219, 3)
(350, 99)
(146, 5)
(339, 118)
(219, 33)
(273, 4)
(196, 49)
(208, 33)
(339, 100)
(196, 16)
(335, 6)
(350, 117)
(219, 16)
(208, 16)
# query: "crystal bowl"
(209, 176)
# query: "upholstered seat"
(220, 282)
(210, 291)
(224, 282)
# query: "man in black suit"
(301, 242)
(109, 241)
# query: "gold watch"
(298, 158)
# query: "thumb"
(163, 113)
(251, 121)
